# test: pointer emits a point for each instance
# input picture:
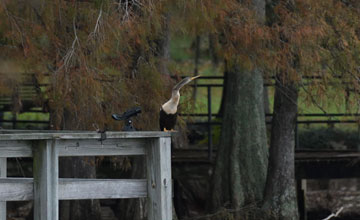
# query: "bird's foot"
(166, 130)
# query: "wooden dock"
(46, 188)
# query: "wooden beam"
(80, 147)
(159, 179)
(16, 189)
(108, 147)
(102, 189)
(3, 173)
(46, 172)
(16, 148)
(22, 189)
(70, 135)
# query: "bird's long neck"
(170, 107)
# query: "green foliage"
(105, 54)
(101, 57)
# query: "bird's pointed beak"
(192, 78)
(183, 82)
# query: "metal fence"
(209, 123)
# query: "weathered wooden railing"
(46, 188)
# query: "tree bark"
(266, 100)
(213, 50)
(223, 98)
(224, 94)
(163, 44)
(164, 55)
(240, 171)
(197, 44)
(136, 209)
(241, 163)
(280, 192)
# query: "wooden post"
(209, 125)
(46, 174)
(358, 146)
(159, 179)
(304, 190)
(1, 117)
(301, 196)
(3, 167)
(14, 120)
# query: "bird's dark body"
(167, 121)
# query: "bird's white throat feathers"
(170, 107)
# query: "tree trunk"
(134, 209)
(84, 167)
(164, 55)
(1, 118)
(224, 94)
(196, 63)
(241, 164)
(77, 167)
(267, 109)
(266, 100)
(223, 97)
(163, 46)
(280, 192)
(213, 50)
(240, 171)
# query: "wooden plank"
(3, 173)
(22, 189)
(159, 179)
(6, 135)
(138, 134)
(112, 135)
(16, 189)
(16, 148)
(46, 172)
(102, 189)
(108, 147)
(21, 131)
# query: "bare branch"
(334, 215)
(13, 22)
(70, 53)
(355, 76)
(98, 22)
(97, 27)
(127, 7)
(312, 98)
(285, 93)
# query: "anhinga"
(168, 111)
